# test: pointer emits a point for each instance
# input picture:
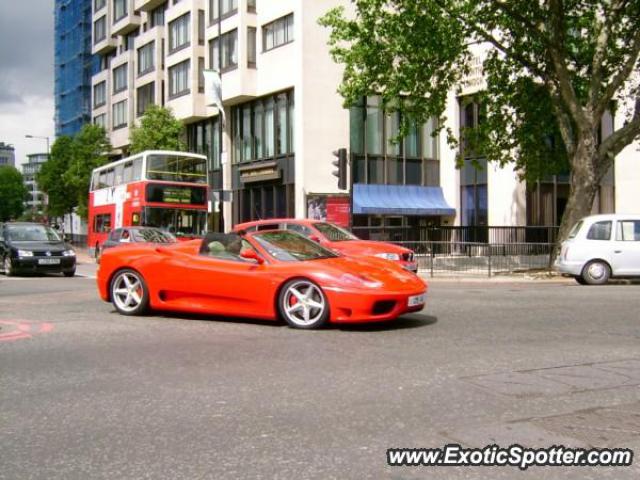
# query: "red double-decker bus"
(155, 188)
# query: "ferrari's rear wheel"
(303, 304)
(129, 293)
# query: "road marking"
(12, 330)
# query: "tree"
(65, 177)
(158, 130)
(12, 193)
(554, 70)
(90, 149)
(51, 178)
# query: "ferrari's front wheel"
(129, 293)
(303, 304)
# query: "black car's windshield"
(291, 247)
(334, 233)
(32, 233)
(152, 236)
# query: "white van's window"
(628, 231)
(576, 228)
(600, 231)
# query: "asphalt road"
(86, 393)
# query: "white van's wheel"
(596, 272)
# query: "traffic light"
(341, 165)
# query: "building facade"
(37, 200)
(283, 119)
(7, 155)
(73, 65)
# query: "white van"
(600, 247)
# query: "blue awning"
(399, 200)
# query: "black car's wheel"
(7, 265)
(303, 304)
(129, 293)
(596, 272)
(69, 273)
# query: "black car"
(33, 247)
(126, 235)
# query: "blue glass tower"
(74, 65)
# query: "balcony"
(147, 5)
(104, 46)
(128, 22)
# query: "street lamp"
(43, 138)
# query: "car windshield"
(333, 232)
(291, 247)
(153, 236)
(32, 233)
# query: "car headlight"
(25, 253)
(359, 281)
(389, 256)
(69, 253)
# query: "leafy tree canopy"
(158, 130)
(12, 193)
(553, 70)
(66, 176)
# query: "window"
(600, 231)
(120, 78)
(102, 223)
(99, 94)
(229, 51)
(120, 114)
(177, 168)
(278, 32)
(145, 58)
(628, 231)
(251, 47)
(100, 120)
(227, 8)
(99, 5)
(179, 35)
(263, 128)
(119, 10)
(179, 79)
(201, 27)
(251, 6)
(201, 74)
(204, 138)
(473, 174)
(157, 16)
(145, 96)
(100, 29)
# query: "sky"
(26, 75)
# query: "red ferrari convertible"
(270, 274)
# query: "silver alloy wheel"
(303, 303)
(127, 291)
(596, 270)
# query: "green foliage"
(12, 193)
(553, 70)
(51, 178)
(90, 149)
(65, 177)
(158, 130)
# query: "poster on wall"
(329, 208)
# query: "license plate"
(48, 261)
(416, 300)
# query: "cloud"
(26, 74)
(26, 48)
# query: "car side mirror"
(314, 238)
(250, 254)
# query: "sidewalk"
(83, 257)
